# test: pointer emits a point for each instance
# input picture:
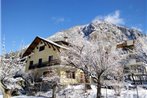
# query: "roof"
(64, 42)
(36, 41)
(126, 43)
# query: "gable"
(38, 40)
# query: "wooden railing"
(45, 64)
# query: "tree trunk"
(87, 81)
(54, 91)
(98, 89)
(6, 93)
(117, 90)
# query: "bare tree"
(95, 58)
(10, 64)
(117, 80)
(51, 79)
(141, 48)
(76, 42)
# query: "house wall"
(64, 80)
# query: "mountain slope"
(99, 30)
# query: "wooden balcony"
(137, 79)
(135, 62)
(45, 64)
(127, 46)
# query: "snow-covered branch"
(141, 48)
(10, 64)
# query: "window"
(50, 58)
(73, 75)
(70, 74)
(41, 48)
(40, 61)
(81, 77)
(31, 65)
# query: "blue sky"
(23, 20)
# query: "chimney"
(65, 38)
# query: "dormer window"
(41, 48)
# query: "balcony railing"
(135, 62)
(45, 64)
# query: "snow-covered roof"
(53, 43)
(36, 42)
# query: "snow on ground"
(79, 92)
(1, 96)
(23, 96)
(27, 97)
(133, 93)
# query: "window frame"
(70, 74)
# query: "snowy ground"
(1, 95)
(79, 92)
(76, 92)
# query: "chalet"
(43, 57)
(135, 69)
(127, 46)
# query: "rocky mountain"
(101, 30)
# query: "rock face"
(100, 31)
